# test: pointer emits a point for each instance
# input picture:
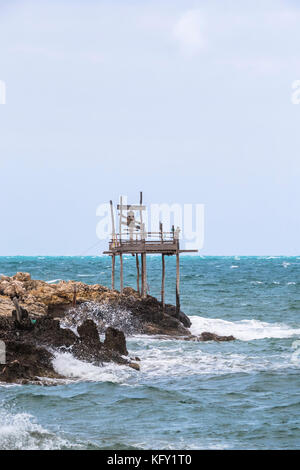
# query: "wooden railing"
(136, 237)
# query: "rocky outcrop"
(40, 299)
(29, 353)
(32, 314)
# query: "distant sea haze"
(236, 395)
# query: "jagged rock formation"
(34, 330)
(29, 353)
(40, 299)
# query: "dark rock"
(26, 362)
(135, 366)
(48, 331)
(115, 341)
(206, 336)
(88, 332)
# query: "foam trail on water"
(167, 359)
(245, 330)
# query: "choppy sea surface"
(243, 394)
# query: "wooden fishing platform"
(132, 239)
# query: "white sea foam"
(53, 281)
(245, 330)
(85, 275)
(21, 432)
(183, 359)
(75, 369)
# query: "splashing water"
(21, 432)
(104, 315)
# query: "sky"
(189, 101)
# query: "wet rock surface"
(39, 298)
(29, 353)
(206, 336)
(115, 340)
(37, 319)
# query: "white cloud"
(188, 32)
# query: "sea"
(243, 394)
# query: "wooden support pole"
(120, 220)
(74, 297)
(112, 222)
(144, 276)
(121, 273)
(137, 273)
(113, 263)
(143, 280)
(18, 309)
(177, 284)
(163, 282)
(141, 216)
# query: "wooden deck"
(134, 247)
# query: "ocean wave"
(21, 432)
(160, 360)
(76, 370)
(245, 330)
(184, 359)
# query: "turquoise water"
(238, 395)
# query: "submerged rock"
(206, 336)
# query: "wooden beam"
(120, 221)
(121, 273)
(131, 207)
(113, 262)
(144, 276)
(163, 282)
(137, 273)
(112, 221)
(143, 280)
(18, 309)
(141, 216)
(177, 284)
(74, 297)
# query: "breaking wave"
(245, 330)
(76, 370)
(21, 432)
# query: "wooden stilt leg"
(145, 276)
(121, 273)
(163, 282)
(137, 273)
(113, 262)
(177, 284)
(143, 279)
